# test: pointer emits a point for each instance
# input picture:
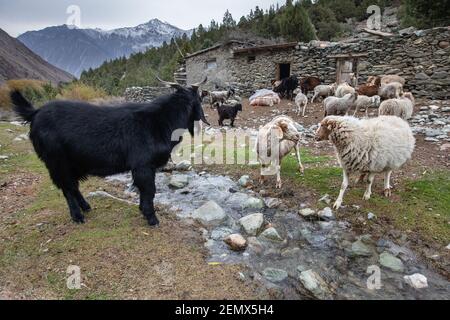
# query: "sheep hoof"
(366, 196)
(337, 205)
(387, 193)
(279, 185)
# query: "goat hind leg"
(74, 208)
(84, 205)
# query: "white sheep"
(339, 106)
(301, 100)
(402, 107)
(392, 90)
(366, 103)
(323, 90)
(344, 89)
(276, 140)
(368, 146)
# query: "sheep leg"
(344, 187)
(387, 184)
(144, 180)
(304, 108)
(368, 192)
(367, 112)
(314, 97)
(297, 152)
(279, 183)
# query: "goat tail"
(22, 106)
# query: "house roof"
(271, 47)
(216, 46)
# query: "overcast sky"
(18, 16)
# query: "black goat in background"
(228, 112)
(287, 87)
(76, 140)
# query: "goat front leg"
(368, 192)
(344, 187)
(144, 180)
(387, 184)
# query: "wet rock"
(433, 132)
(389, 261)
(315, 284)
(255, 245)
(252, 223)
(184, 165)
(417, 281)
(272, 202)
(221, 233)
(275, 275)
(326, 198)
(210, 214)
(253, 203)
(179, 181)
(307, 212)
(326, 214)
(4, 157)
(244, 181)
(271, 234)
(290, 252)
(359, 248)
(236, 242)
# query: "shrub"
(80, 91)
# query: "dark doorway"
(284, 71)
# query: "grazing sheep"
(263, 101)
(276, 140)
(339, 106)
(344, 89)
(366, 103)
(301, 100)
(76, 140)
(324, 90)
(392, 90)
(228, 112)
(220, 96)
(402, 107)
(368, 147)
(392, 78)
(371, 88)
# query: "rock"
(433, 132)
(221, 233)
(179, 181)
(210, 214)
(290, 252)
(371, 216)
(4, 157)
(271, 234)
(429, 139)
(22, 137)
(275, 275)
(184, 165)
(255, 245)
(236, 242)
(389, 261)
(448, 247)
(315, 284)
(272, 202)
(445, 147)
(244, 181)
(326, 214)
(417, 281)
(307, 212)
(443, 44)
(359, 248)
(252, 223)
(326, 198)
(253, 203)
(422, 76)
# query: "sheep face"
(325, 128)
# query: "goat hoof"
(153, 222)
(78, 220)
(86, 208)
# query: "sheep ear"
(277, 131)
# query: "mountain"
(75, 50)
(19, 62)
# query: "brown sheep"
(371, 88)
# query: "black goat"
(76, 140)
(287, 86)
(228, 112)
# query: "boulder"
(179, 181)
(315, 284)
(275, 275)
(391, 262)
(417, 281)
(210, 214)
(271, 234)
(236, 242)
(252, 223)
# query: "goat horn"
(196, 85)
(169, 84)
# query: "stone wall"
(145, 94)
(421, 57)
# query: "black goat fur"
(76, 140)
(287, 87)
(228, 112)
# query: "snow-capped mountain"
(75, 50)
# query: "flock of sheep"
(364, 147)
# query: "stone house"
(421, 57)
